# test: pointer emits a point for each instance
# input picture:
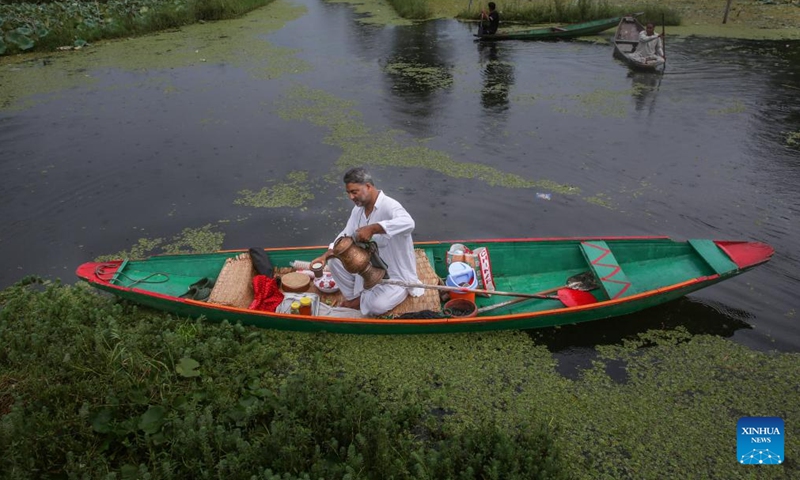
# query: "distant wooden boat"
(555, 33)
(626, 40)
(630, 274)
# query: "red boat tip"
(746, 254)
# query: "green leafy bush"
(89, 386)
(47, 25)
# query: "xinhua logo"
(759, 440)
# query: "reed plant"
(412, 9)
(570, 11)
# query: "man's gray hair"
(358, 175)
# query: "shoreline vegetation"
(93, 387)
(51, 25)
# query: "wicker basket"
(234, 286)
(430, 299)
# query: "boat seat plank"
(606, 268)
(713, 255)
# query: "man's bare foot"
(354, 303)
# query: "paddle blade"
(575, 298)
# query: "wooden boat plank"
(715, 257)
(606, 268)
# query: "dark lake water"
(464, 134)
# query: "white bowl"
(326, 283)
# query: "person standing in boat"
(490, 20)
(382, 219)
(650, 49)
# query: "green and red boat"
(628, 274)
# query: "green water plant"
(48, 25)
(92, 388)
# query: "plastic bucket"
(462, 275)
(459, 307)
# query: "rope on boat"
(100, 270)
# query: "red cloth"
(267, 296)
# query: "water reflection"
(574, 345)
(699, 318)
(419, 64)
(645, 89)
(498, 75)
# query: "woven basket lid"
(295, 282)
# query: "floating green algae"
(793, 139)
(377, 12)
(195, 240)
(736, 106)
(601, 200)
(293, 193)
(424, 76)
(238, 42)
(681, 393)
(599, 102)
(191, 240)
(362, 146)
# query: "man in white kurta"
(649, 49)
(382, 219)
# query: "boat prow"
(746, 254)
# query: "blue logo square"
(759, 441)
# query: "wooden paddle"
(575, 293)
(583, 279)
(663, 43)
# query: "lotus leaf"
(22, 41)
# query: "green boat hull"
(555, 33)
(633, 273)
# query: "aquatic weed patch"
(674, 417)
(735, 106)
(419, 76)
(148, 392)
(599, 102)
(360, 145)
(793, 139)
(129, 392)
(190, 240)
(47, 25)
(237, 42)
(292, 193)
(377, 12)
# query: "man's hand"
(364, 234)
(322, 259)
